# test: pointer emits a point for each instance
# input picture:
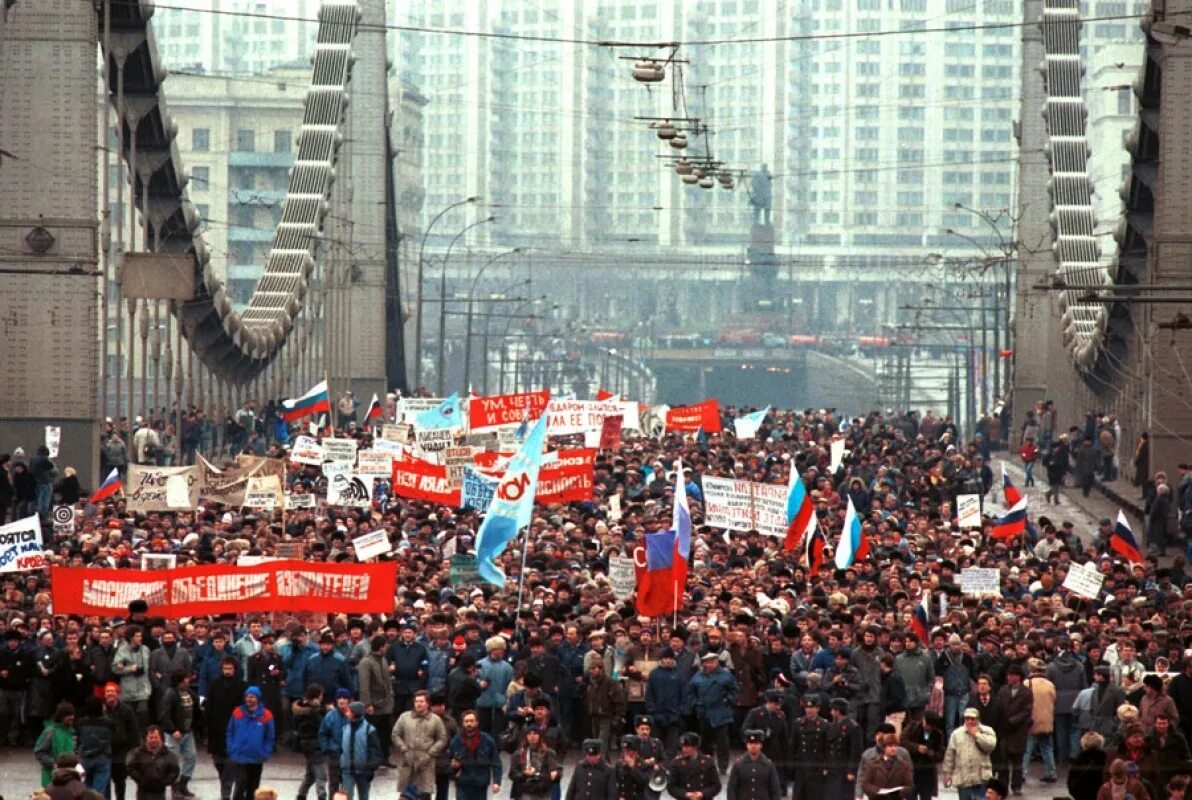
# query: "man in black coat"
(224, 695)
(16, 675)
(409, 662)
(754, 777)
(844, 748)
(770, 719)
(267, 671)
(809, 738)
(126, 734)
(593, 778)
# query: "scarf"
(471, 741)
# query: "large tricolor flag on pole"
(1012, 523)
(108, 488)
(800, 513)
(661, 584)
(920, 617)
(853, 544)
(1122, 540)
(313, 402)
(512, 505)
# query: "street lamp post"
(471, 304)
(418, 308)
(441, 363)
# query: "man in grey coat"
(376, 692)
(917, 669)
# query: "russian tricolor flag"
(920, 617)
(681, 518)
(800, 514)
(375, 410)
(108, 488)
(1009, 490)
(1013, 523)
(315, 401)
(1122, 540)
(853, 544)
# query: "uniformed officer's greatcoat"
(695, 774)
(754, 779)
(593, 782)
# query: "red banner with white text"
(704, 415)
(416, 479)
(226, 588)
(569, 478)
(505, 410)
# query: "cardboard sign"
(478, 490)
(352, 490)
(745, 505)
(1084, 581)
(836, 452)
(968, 511)
(372, 544)
(341, 451)
(981, 581)
(20, 545)
(159, 561)
(464, 571)
(434, 440)
(622, 576)
(610, 432)
(614, 507)
(374, 462)
(178, 492)
(64, 520)
(398, 432)
(410, 407)
(455, 459)
(297, 501)
(566, 417)
(146, 487)
(307, 450)
(260, 499)
(53, 439)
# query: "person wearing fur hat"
(494, 674)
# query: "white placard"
(331, 469)
(434, 440)
(745, 505)
(53, 439)
(622, 576)
(307, 450)
(981, 581)
(836, 449)
(1084, 581)
(455, 459)
(614, 507)
(410, 407)
(374, 462)
(20, 545)
(64, 520)
(372, 544)
(566, 417)
(394, 449)
(342, 451)
(398, 433)
(968, 511)
(260, 499)
(300, 501)
(351, 490)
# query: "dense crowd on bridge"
(834, 684)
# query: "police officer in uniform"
(593, 778)
(844, 741)
(633, 777)
(771, 720)
(650, 749)
(754, 777)
(809, 740)
(693, 775)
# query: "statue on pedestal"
(761, 195)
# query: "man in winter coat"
(1066, 672)
(331, 737)
(223, 698)
(152, 767)
(754, 776)
(1042, 721)
(1107, 697)
(131, 663)
(915, 666)
(967, 764)
(494, 673)
(178, 716)
(692, 771)
(376, 691)
(571, 691)
(771, 720)
(958, 670)
(167, 661)
(211, 665)
(306, 716)
(1013, 707)
(267, 672)
(666, 701)
(125, 735)
(295, 652)
(66, 783)
(16, 675)
(360, 754)
(418, 737)
(843, 681)
(251, 738)
(475, 760)
(713, 693)
(605, 701)
(843, 741)
(596, 779)
(867, 661)
(328, 668)
(409, 663)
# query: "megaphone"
(658, 779)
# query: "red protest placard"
(610, 432)
(421, 480)
(227, 588)
(569, 479)
(503, 410)
(704, 415)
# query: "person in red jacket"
(1029, 453)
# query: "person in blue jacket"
(360, 753)
(666, 701)
(251, 736)
(713, 693)
(331, 737)
(210, 666)
(295, 652)
(328, 668)
(475, 760)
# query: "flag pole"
(521, 581)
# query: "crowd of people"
(825, 683)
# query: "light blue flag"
(446, 415)
(512, 506)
